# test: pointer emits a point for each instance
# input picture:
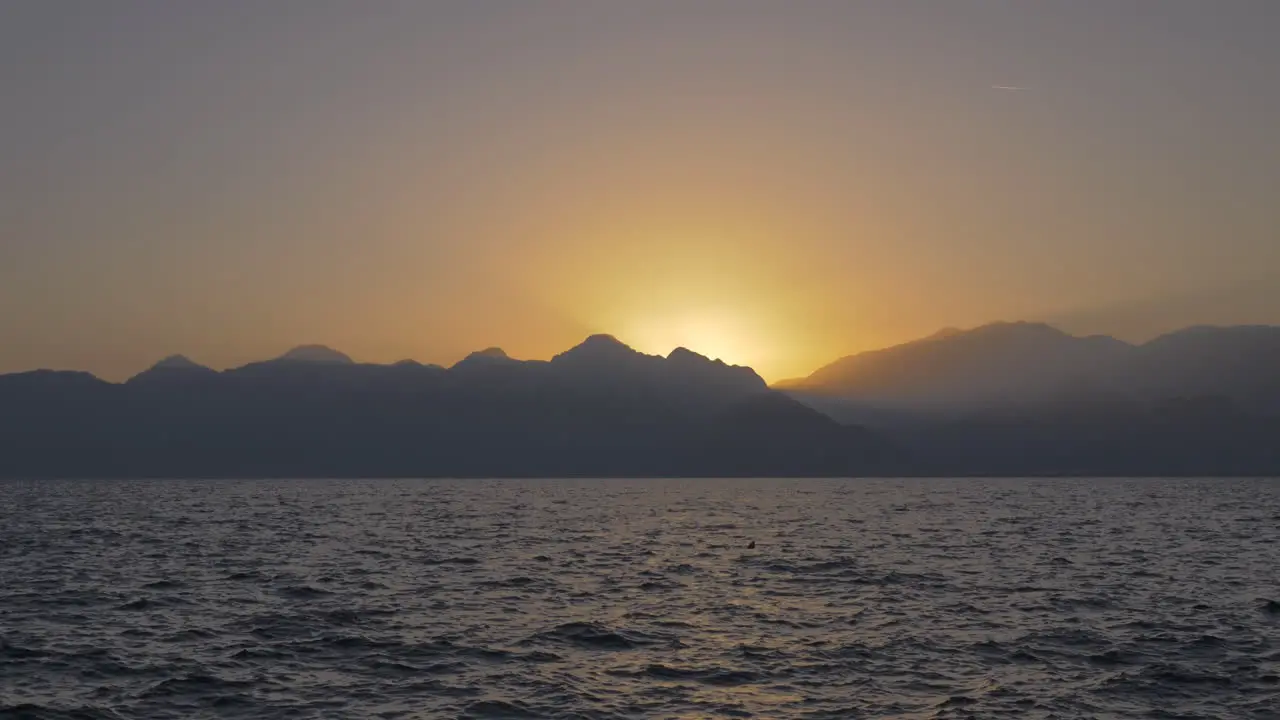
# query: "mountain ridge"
(1013, 399)
(896, 376)
(1018, 363)
(598, 409)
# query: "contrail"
(1011, 88)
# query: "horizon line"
(349, 360)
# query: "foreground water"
(639, 599)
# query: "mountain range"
(1002, 399)
(1028, 399)
(598, 409)
(1027, 364)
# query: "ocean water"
(641, 599)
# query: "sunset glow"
(771, 184)
(720, 337)
(662, 358)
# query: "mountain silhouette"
(598, 349)
(315, 354)
(602, 359)
(179, 362)
(608, 365)
(1005, 399)
(173, 369)
(488, 355)
(1001, 362)
(598, 409)
(1240, 363)
(1025, 364)
(1028, 399)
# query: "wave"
(595, 636)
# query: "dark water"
(640, 599)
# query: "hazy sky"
(777, 183)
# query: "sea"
(855, 598)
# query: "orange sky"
(777, 184)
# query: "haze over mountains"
(1026, 398)
(1022, 364)
(1002, 399)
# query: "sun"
(719, 336)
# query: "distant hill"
(991, 364)
(1027, 399)
(598, 409)
(1022, 364)
(1240, 363)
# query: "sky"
(774, 183)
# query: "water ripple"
(637, 599)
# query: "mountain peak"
(684, 353)
(686, 357)
(987, 364)
(319, 354)
(178, 362)
(598, 347)
(602, 340)
(486, 357)
(172, 368)
(1020, 327)
(704, 372)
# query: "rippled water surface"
(639, 599)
